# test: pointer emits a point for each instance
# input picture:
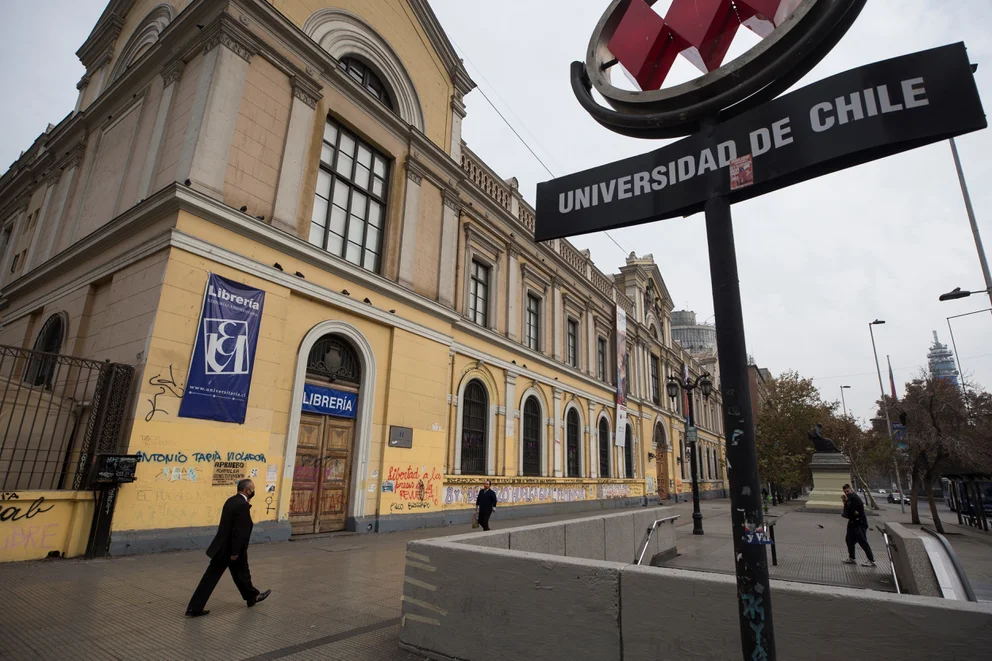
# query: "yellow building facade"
(312, 149)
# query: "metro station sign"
(839, 122)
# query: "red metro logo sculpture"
(796, 35)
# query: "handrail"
(954, 561)
(650, 531)
(888, 551)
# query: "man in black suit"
(229, 550)
(485, 503)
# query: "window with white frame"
(573, 343)
(655, 391)
(478, 298)
(363, 74)
(349, 207)
(533, 323)
(601, 358)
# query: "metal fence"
(56, 412)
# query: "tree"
(791, 408)
(941, 434)
(867, 450)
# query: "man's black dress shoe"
(192, 614)
(262, 596)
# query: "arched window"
(332, 359)
(41, 369)
(572, 443)
(532, 437)
(628, 453)
(604, 448)
(475, 404)
(142, 39)
(363, 74)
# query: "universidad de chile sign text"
(224, 353)
(839, 122)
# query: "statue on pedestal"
(821, 442)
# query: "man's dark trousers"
(484, 515)
(856, 534)
(218, 564)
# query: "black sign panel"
(845, 120)
(115, 468)
(400, 437)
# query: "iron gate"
(56, 412)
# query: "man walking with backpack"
(857, 527)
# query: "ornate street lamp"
(673, 387)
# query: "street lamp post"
(954, 344)
(885, 407)
(706, 386)
(971, 219)
(842, 402)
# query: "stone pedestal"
(831, 471)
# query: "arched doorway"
(661, 459)
(325, 445)
(475, 418)
(572, 447)
(604, 448)
(628, 454)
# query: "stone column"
(557, 314)
(449, 249)
(513, 295)
(408, 237)
(511, 414)
(494, 294)
(457, 115)
(301, 115)
(583, 472)
(216, 103)
(170, 79)
(70, 174)
(557, 437)
(50, 184)
(592, 442)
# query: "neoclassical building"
(312, 150)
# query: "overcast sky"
(818, 261)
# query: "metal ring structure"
(758, 76)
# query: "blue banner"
(224, 353)
(328, 401)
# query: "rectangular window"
(655, 392)
(478, 298)
(349, 206)
(601, 359)
(573, 343)
(533, 322)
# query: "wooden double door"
(322, 474)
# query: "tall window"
(364, 76)
(601, 359)
(474, 420)
(655, 392)
(628, 453)
(40, 370)
(478, 298)
(572, 443)
(532, 437)
(533, 322)
(350, 201)
(573, 343)
(604, 448)
(626, 372)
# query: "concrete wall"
(34, 524)
(491, 596)
(913, 567)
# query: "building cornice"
(100, 43)
(442, 45)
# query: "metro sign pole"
(743, 140)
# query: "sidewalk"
(332, 598)
(810, 547)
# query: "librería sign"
(841, 121)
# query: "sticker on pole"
(754, 534)
(741, 172)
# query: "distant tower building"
(697, 339)
(941, 360)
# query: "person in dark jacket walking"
(485, 503)
(857, 527)
(229, 550)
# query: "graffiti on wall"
(414, 489)
(516, 495)
(21, 531)
(613, 491)
(167, 387)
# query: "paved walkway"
(337, 597)
(810, 547)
